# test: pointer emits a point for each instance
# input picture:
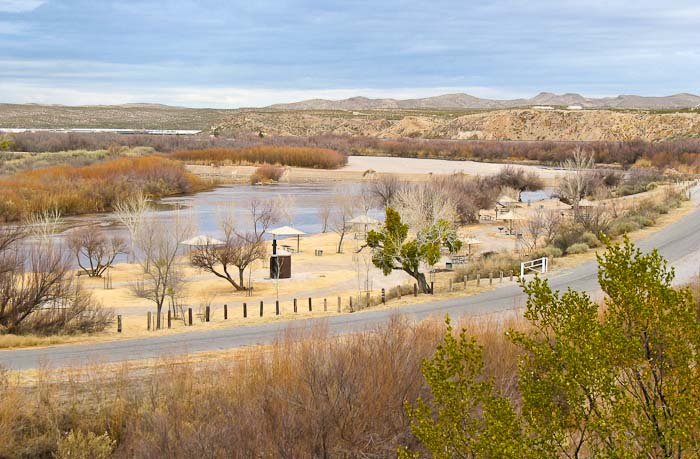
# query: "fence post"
(383, 296)
(450, 287)
(432, 288)
(310, 304)
(501, 280)
(466, 279)
(295, 305)
(398, 291)
(170, 319)
(339, 310)
(325, 305)
(415, 289)
(245, 310)
(368, 299)
(490, 278)
(207, 313)
(261, 308)
(351, 304)
(277, 307)
(225, 311)
(478, 279)
(148, 317)
(189, 316)
(119, 323)
(511, 275)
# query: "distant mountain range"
(465, 101)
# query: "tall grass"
(94, 188)
(308, 395)
(320, 158)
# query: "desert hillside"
(517, 124)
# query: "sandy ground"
(366, 167)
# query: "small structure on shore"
(286, 231)
(202, 241)
(362, 225)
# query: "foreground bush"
(319, 158)
(94, 188)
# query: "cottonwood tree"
(263, 214)
(392, 250)
(159, 241)
(94, 251)
(44, 225)
(532, 229)
(384, 188)
(131, 213)
(324, 212)
(422, 206)
(238, 251)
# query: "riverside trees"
(621, 382)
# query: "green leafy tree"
(393, 251)
(618, 381)
(465, 417)
(6, 143)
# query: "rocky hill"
(466, 101)
(517, 124)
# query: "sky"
(230, 54)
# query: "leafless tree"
(532, 229)
(263, 214)
(552, 221)
(343, 210)
(286, 208)
(325, 209)
(94, 251)
(131, 213)
(384, 188)
(43, 225)
(577, 183)
(422, 206)
(158, 241)
(38, 291)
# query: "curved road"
(675, 242)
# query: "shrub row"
(319, 158)
(95, 188)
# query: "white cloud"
(19, 6)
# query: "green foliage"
(621, 382)
(466, 418)
(579, 247)
(6, 143)
(391, 250)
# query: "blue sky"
(234, 53)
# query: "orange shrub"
(85, 189)
(318, 158)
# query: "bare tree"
(43, 225)
(576, 184)
(159, 241)
(422, 206)
(263, 214)
(94, 251)
(131, 213)
(38, 291)
(532, 230)
(552, 221)
(343, 210)
(325, 209)
(384, 188)
(286, 208)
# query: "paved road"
(674, 242)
